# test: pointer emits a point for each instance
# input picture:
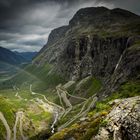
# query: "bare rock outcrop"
(123, 122)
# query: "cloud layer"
(26, 24)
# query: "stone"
(123, 121)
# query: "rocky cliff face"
(128, 66)
(93, 55)
(97, 42)
(122, 121)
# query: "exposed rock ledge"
(123, 122)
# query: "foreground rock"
(123, 122)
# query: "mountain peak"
(102, 15)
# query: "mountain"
(87, 77)
(8, 63)
(10, 57)
(28, 56)
(98, 54)
(11, 61)
(97, 42)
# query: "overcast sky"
(26, 24)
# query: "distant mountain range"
(10, 61)
(15, 58)
(28, 56)
(10, 57)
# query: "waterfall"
(54, 122)
(118, 62)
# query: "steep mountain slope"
(97, 42)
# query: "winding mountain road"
(21, 115)
(62, 94)
(15, 126)
(56, 109)
(82, 113)
(49, 102)
(2, 118)
(19, 118)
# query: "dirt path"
(80, 98)
(21, 126)
(64, 101)
(40, 103)
(82, 113)
(15, 126)
(60, 99)
(73, 96)
(45, 106)
(49, 102)
(2, 118)
(62, 94)
(17, 92)
(19, 118)
(63, 97)
(55, 109)
(33, 93)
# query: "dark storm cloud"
(132, 5)
(26, 24)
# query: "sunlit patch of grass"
(38, 117)
(128, 89)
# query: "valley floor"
(25, 114)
